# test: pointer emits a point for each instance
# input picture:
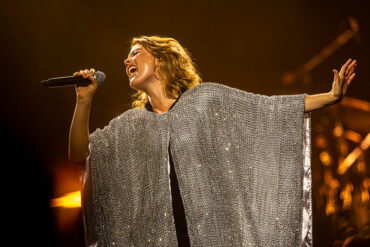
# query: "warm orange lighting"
(365, 191)
(356, 103)
(325, 158)
(365, 143)
(361, 166)
(329, 180)
(343, 146)
(346, 196)
(338, 130)
(330, 205)
(321, 141)
(352, 157)
(364, 196)
(349, 160)
(332, 188)
(352, 136)
(69, 200)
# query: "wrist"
(333, 98)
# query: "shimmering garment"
(242, 164)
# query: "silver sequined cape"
(242, 162)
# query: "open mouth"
(132, 70)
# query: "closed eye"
(134, 53)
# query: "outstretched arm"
(341, 82)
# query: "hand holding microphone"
(85, 81)
(87, 92)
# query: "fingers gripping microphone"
(73, 80)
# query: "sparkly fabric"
(238, 158)
(307, 184)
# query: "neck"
(159, 101)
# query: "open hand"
(342, 79)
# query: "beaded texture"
(239, 159)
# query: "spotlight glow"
(69, 200)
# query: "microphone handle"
(66, 81)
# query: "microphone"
(73, 80)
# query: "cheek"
(147, 69)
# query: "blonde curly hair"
(175, 67)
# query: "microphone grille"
(100, 77)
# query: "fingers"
(351, 78)
(350, 72)
(85, 73)
(89, 74)
(350, 68)
(350, 75)
(344, 67)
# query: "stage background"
(244, 44)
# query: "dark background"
(244, 44)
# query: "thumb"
(336, 74)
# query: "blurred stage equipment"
(352, 157)
(341, 174)
(343, 146)
(290, 77)
(355, 114)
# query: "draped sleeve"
(102, 153)
(248, 156)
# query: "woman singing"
(196, 163)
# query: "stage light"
(346, 196)
(352, 157)
(325, 158)
(69, 200)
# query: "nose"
(127, 61)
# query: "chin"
(140, 83)
(135, 85)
